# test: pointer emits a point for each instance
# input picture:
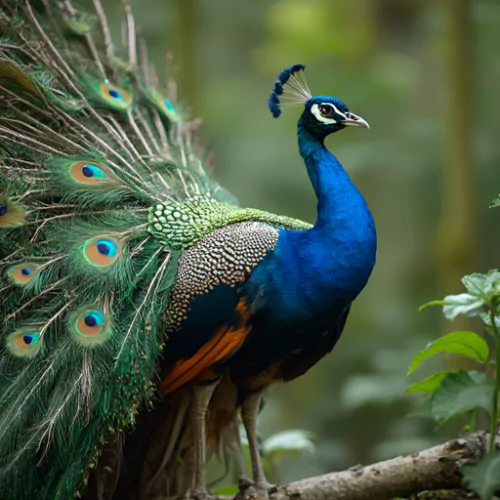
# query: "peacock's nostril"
(354, 120)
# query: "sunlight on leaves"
(496, 202)
(464, 303)
(468, 344)
(483, 290)
(484, 476)
(461, 392)
(486, 285)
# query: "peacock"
(142, 308)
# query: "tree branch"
(432, 469)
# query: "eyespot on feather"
(24, 343)
(91, 326)
(23, 273)
(116, 97)
(102, 251)
(89, 173)
(11, 214)
(166, 107)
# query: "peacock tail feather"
(101, 191)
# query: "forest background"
(424, 74)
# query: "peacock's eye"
(326, 110)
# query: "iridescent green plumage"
(101, 190)
(180, 225)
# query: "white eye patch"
(323, 119)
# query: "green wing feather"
(89, 149)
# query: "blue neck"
(338, 197)
(311, 276)
(341, 246)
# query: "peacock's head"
(322, 115)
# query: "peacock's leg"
(238, 452)
(249, 413)
(202, 394)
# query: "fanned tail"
(88, 144)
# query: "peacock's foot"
(265, 485)
(244, 482)
(250, 490)
(198, 494)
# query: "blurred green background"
(425, 74)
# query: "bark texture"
(428, 471)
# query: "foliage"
(461, 392)
(483, 477)
(430, 384)
(467, 344)
(452, 394)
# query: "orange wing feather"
(225, 342)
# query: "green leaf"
(430, 384)
(486, 319)
(486, 285)
(482, 290)
(461, 392)
(467, 344)
(431, 303)
(484, 476)
(464, 303)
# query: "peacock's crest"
(290, 88)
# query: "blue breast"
(301, 290)
(303, 287)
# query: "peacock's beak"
(354, 121)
